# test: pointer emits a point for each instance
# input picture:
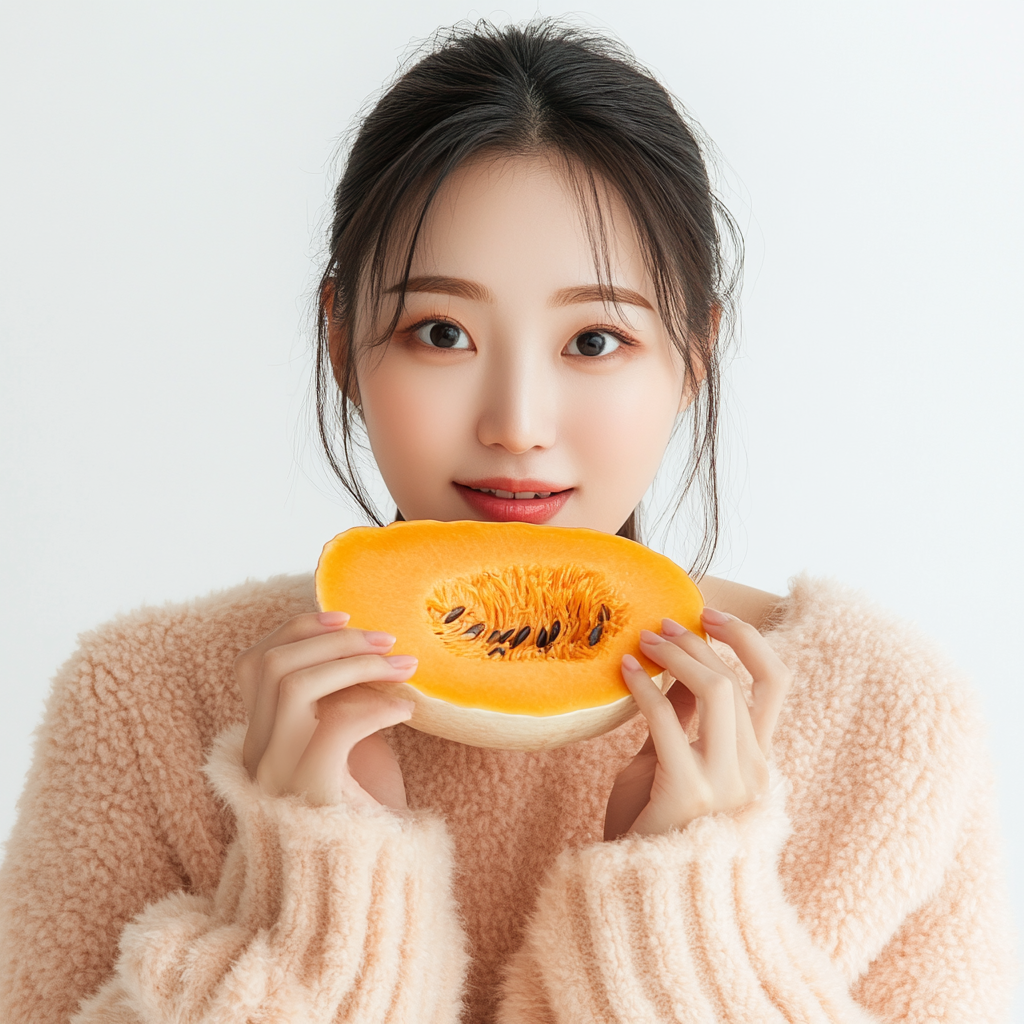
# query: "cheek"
(621, 427)
(413, 423)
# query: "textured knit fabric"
(148, 879)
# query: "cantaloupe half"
(519, 629)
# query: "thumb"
(322, 773)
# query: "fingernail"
(378, 638)
(402, 661)
(628, 661)
(715, 617)
(672, 628)
(334, 618)
(647, 637)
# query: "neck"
(747, 603)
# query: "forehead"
(497, 209)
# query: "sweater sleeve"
(694, 926)
(322, 914)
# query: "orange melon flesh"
(409, 579)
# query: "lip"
(513, 510)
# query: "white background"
(162, 194)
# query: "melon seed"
(556, 628)
(595, 635)
(474, 631)
(454, 614)
(604, 615)
(542, 637)
(495, 650)
(494, 636)
(504, 636)
(520, 636)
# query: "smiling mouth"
(513, 494)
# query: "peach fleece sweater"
(149, 880)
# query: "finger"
(750, 755)
(716, 704)
(248, 668)
(666, 734)
(746, 739)
(299, 704)
(285, 658)
(322, 772)
(771, 678)
(360, 711)
(298, 627)
(296, 717)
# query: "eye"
(441, 334)
(594, 343)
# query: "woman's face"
(511, 370)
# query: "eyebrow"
(600, 293)
(445, 286)
(565, 297)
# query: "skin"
(504, 258)
(514, 401)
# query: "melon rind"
(478, 727)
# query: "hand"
(671, 781)
(312, 729)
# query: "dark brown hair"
(544, 86)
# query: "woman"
(525, 293)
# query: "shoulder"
(115, 774)
(882, 741)
(828, 626)
(869, 684)
(875, 699)
(831, 627)
(243, 612)
(177, 655)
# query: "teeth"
(515, 494)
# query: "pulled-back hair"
(544, 86)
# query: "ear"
(695, 379)
(337, 342)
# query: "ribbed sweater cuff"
(688, 926)
(322, 914)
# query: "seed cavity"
(509, 605)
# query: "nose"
(518, 405)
